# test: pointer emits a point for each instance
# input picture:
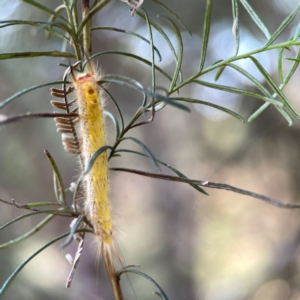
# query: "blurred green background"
(221, 247)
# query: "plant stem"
(87, 41)
(234, 58)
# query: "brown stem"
(35, 116)
(114, 279)
(209, 184)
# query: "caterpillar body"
(95, 190)
(91, 122)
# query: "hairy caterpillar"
(89, 106)
(91, 122)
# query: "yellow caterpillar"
(97, 206)
(89, 114)
(90, 110)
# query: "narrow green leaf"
(166, 38)
(297, 32)
(38, 24)
(130, 81)
(108, 78)
(71, 15)
(179, 54)
(94, 157)
(46, 9)
(292, 70)
(181, 175)
(217, 62)
(264, 107)
(149, 63)
(158, 294)
(275, 88)
(20, 267)
(146, 149)
(27, 90)
(31, 205)
(235, 26)
(166, 165)
(266, 92)
(157, 106)
(35, 54)
(61, 189)
(251, 78)
(293, 59)
(56, 188)
(286, 80)
(258, 112)
(29, 233)
(225, 110)
(206, 30)
(73, 4)
(52, 18)
(115, 121)
(179, 20)
(65, 28)
(153, 83)
(286, 116)
(220, 72)
(40, 204)
(238, 91)
(256, 19)
(130, 33)
(132, 271)
(117, 107)
(46, 211)
(76, 192)
(72, 232)
(279, 68)
(283, 25)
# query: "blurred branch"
(209, 184)
(30, 115)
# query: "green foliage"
(78, 35)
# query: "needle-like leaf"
(161, 293)
(235, 26)
(146, 149)
(27, 90)
(46, 9)
(35, 54)
(256, 18)
(283, 25)
(206, 30)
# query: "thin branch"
(6, 202)
(209, 184)
(59, 213)
(35, 116)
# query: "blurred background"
(218, 247)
